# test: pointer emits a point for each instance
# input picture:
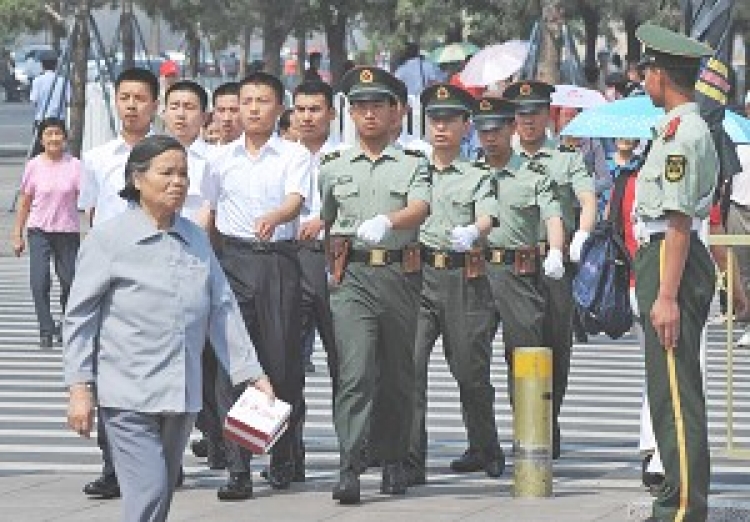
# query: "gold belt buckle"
(441, 260)
(498, 256)
(377, 257)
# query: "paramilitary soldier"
(573, 183)
(526, 200)
(456, 300)
(674, 272)
(374, 197)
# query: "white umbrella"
(495, 63)
(578, 97)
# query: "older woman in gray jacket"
(148, 292)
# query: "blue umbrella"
(635, 117)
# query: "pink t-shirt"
(53, 187)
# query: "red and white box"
(256, 424)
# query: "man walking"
(374, 197)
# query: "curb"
(718, 510)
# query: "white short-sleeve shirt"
(199, 156)
(103, 178)
(242, 188)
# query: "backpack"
(601, 287)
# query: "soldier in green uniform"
(526, 201)
(573, 184)
(456, 300)
(674, 272)
(374, 198)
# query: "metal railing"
(731, 242)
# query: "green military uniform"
(678, 176)
(570, 176)
(526, 199)
(453, 305)
(375, 306)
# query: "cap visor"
(485, 124)
(445, 112)
(371, 94)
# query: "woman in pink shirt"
(47, 208)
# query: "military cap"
(668, 49)
(529, 95)
(492, 113)
(369, 83)
(443, 99)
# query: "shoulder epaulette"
(414, 152)
(566, 148)
(481, 165)
(330, 156)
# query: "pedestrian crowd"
(219, 247)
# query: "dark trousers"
(461, 311)
(675, 384)
(62, 248)
(208, 419)
(265, 279)
(520, 307)
(558, 333)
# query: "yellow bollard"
(532, 422)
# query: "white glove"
(374, 230)
(462, 238)
(579, 238)
(553, 264)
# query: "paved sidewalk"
(51, 497)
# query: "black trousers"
(265, 278)
(62, 248)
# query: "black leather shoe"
(469, 462)
(346, 491)
(280, 476)
(239, 487)
(652, 481)
(495, 466)
(45, 341)
(199, 448)
(394, 479)
(105, 487)
(414, 476)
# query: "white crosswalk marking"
(599, 421)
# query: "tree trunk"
(193, 51)
(128, 34)
(80, 48)
(591, 30)
(273, 40)
(247, 34)
(551, 45)
(336, 41)
(634, 45)
(301, 54)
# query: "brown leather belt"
(443, 259)
(376, 256)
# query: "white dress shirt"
(42, 90)
(741, 180)
(199, 156)
(103, 178)
(243, 188)
(312, 211)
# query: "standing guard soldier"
(456, 299)
(573, 183)
(374, 197)
(675, 274)
(526, 202)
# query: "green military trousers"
(520, 307)
(675, 384)
(374, 318)
(460, 310)
(558, 335)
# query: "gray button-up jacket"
(141, 306)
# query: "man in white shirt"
(259, 185)
(401, 136)
(50, 92)
(417, 72)
(226, 106)
(136, 92)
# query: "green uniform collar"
(390, 152)
(512, 167)
(677, 112)
(548, 148)
(457, 166)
